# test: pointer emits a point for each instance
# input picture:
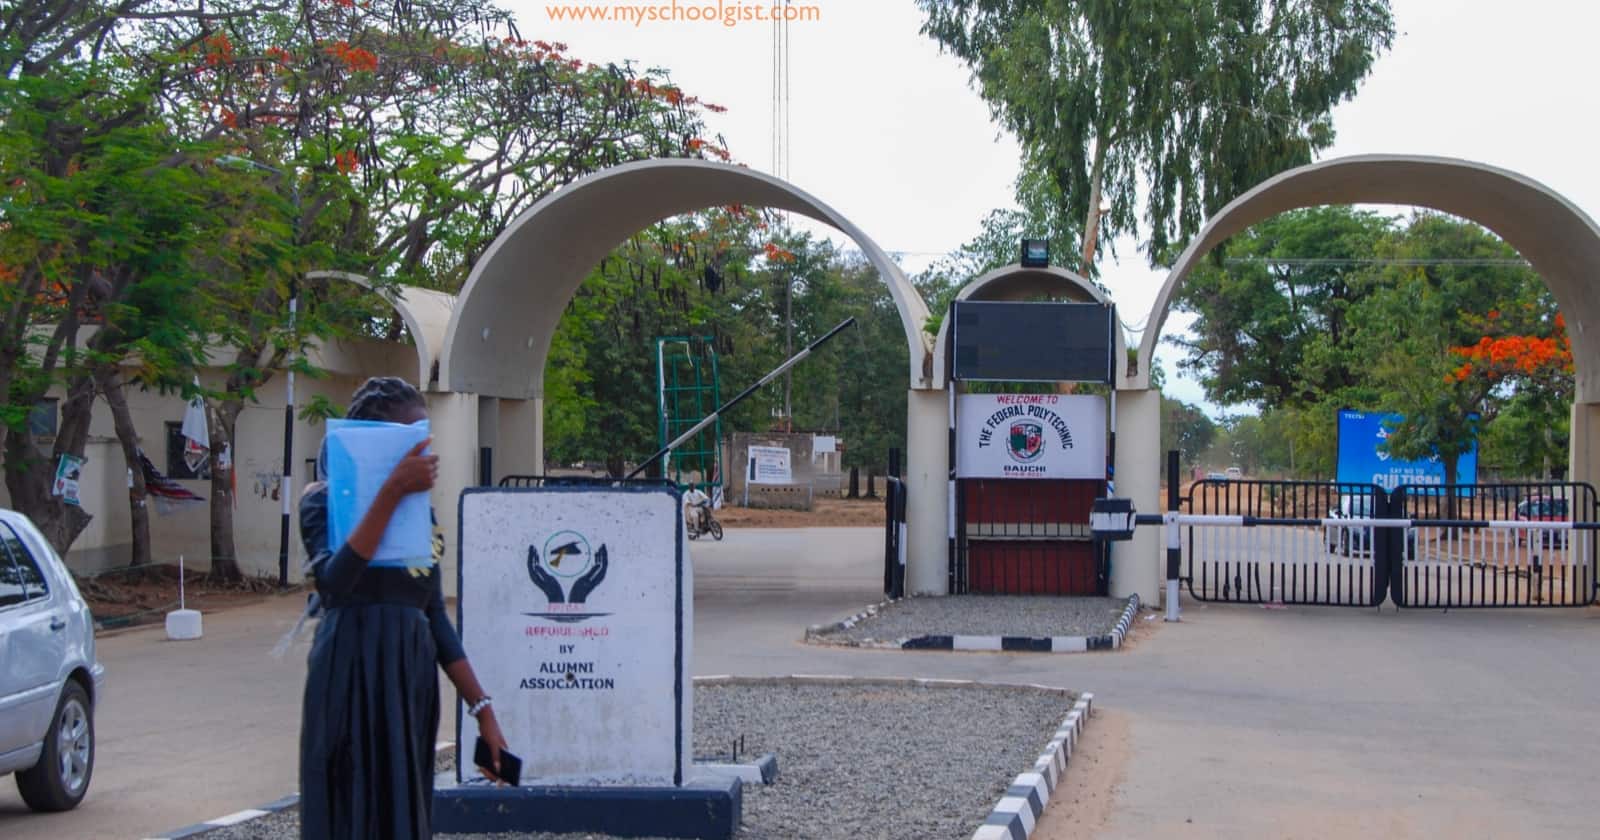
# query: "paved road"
(1243, 722)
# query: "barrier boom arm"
(712, 417)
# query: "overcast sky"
(888, 131)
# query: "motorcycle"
(705, 523)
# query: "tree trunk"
(110, 381)
(1091, 222)
(224, 557)
(30, 473)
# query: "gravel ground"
(914, 763)
(983, 615)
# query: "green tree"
(1451, 278)
(99, 227)
(400, 141)
(1273, 307)
(1186, 428)
(1185, 105)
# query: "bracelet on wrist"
(483, 703)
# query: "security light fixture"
(1035, 253)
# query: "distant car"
(1215, 476)
(1357, 539)
(49, 681)
(1544, 509)
(1234, 472)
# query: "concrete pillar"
(1137, 566)
(927, 493)
(454, 419)
(518, 451)
(1583, 460)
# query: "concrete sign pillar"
(454, 420)
(1137, 565)
(577, 609)
(927, 493)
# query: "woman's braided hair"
(382, 398)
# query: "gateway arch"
(1559, 241)
(492, 361)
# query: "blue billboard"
(1363, 461)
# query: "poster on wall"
(576, 609)
(1362, 459)
(770, 465)
(1030, 436)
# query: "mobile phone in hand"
(510, 770)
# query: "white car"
(1357, 539)
(50, 680)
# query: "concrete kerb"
(823, 634)
(248, 814)
(232, 819)
(1017, 813)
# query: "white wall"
(258, 455)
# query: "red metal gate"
(1026, 537)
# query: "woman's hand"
(415, 473)
(489, 730)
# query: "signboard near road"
(575, 610)
(1362, 460)
(770, 465)
(1030, 436)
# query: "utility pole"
(788, 350)
(286, 485)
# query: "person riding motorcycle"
(694, 505)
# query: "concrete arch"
(1559, 240)
(1013, 282)
(499, 335)
(425, 312)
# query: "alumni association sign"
(1030, 436)
(575, 609)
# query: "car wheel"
(61, 778)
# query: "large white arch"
(499, 335)
(1559, 240)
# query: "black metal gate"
(1457, 559)
(1279, 556)
(1464, 546)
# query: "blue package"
(360, 455)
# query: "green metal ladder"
(687, 391)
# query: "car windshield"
(1357, 506)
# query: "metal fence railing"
(1538, 548)
(1464, 546)
(1310, 562)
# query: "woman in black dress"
(371, 710)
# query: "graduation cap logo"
(567, 572)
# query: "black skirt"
(368, 724)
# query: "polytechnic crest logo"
(1026, 442)
(567, 572)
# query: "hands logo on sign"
(567, 557)
(1026, 442)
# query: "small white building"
(257, 457)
